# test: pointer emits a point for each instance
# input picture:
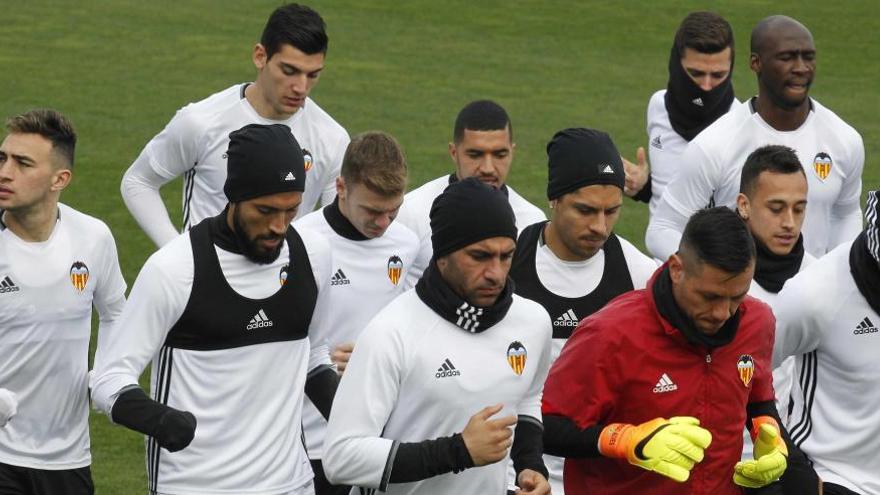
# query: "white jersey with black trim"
(247, 400)
(47, 291)
(194, 145)
(823, 320)
(784, 373)
(665, 146)
(416, 209)
(831, 152)
(367, 274)
(414, 376)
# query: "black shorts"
(15, 480)
(322, 486)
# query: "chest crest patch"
(822, 165)
(395, 268)
(79, 275)
(746, 368)
(516, 357)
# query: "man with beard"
(574, 264)
(225, 312)
(441, 375)
(482, 146)
(289, 60)
(827, 317)
(784, 59)
(700, 89)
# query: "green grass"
(120, 69)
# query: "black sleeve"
(415, 461)
(321, 385)
(172, 429)
(799, 478)
(528, 446)
(563, 438)
(645, 194)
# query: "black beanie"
(469, 211)
(263, 160)
(581, 157)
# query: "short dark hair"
(51, 125)
(705, 32)
(376, 160)
(773, 158)
(481, 115)
(717, 237)
(296, 25)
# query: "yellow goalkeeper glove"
(770, 456)
(669, 447)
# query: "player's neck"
(782, 119)
(33, 224)
(256, 97)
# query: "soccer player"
(482, 146)
(289, 59)
(371, 253)
(225, 312)
(784, 59)
(644, 385)
(827, 317)
(442, 374)
(574, 264)
(700, 89)
(55, 265)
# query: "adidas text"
(866, 326)
(259, 324)
(568, 319)
(665, 384)
(447, 369)
(7, 285)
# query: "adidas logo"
(568, 319)
(864, 327)
(447, 369)
(290, 177)
(607, 170)
(697, 101)
(339, 278)
(260, 320)
(656, 143)
(7, 285)
(665, 384)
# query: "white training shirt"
(711, 166)
(400, 387)
(194, 145)
(823, 319)
(416, 210)
(47, 291)
(665, 147)
(247, 400)
(366, 275)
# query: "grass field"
(120, 69)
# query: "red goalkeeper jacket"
(626, 364)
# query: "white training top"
(366, 275)
(247, 400)
(830, 150)
(823, 319)
(47, 290)
(194, 145)
(416, 209)
(665, 147)
(415, 376)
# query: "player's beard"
(249, 247)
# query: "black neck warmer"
(436, 293)
(772, 270)
(222, 235)
(340, 224)
(865, 271)
(690, 108)
(670, 312)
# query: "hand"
(636, 173)
(8, 406)
(769, 462)
(669, 447)
(488, 440)
(341, 355)
(176, 430)
(532, 483)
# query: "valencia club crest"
(516, 356)
(79, 275)
(746, 367)
(822, 165)
(395, 268)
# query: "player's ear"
(676, 268)
(340, 187)
(60, 179)
(743, 207)
(453, 152)
(259, 56)
(755, 63)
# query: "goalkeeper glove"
(770, 456)
(8, 405)
(668, 447)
